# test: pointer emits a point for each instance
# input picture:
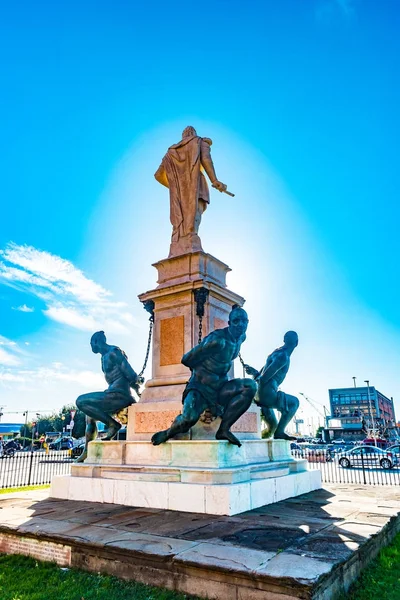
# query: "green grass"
(26, 488)
(23, 578)
(381, 580)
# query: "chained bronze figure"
(209, 386)
(100, 406)
(269, 397)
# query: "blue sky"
(301, 100)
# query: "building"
(9, 430)
(355, 410)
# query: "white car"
(368, 456)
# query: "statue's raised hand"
(218, 185)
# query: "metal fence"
(360, 466)
(33, 467)
(363, 466)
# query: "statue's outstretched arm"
(206, 160)
(208, 165)
(201, 352)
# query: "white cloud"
(69, 296)
(45, 377)
(6, 342)
(71, 317)
(11, 377)
(8, 359)
(24, 308)
(9, 351)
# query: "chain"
(148, 347)
(148, 305)
(243, 364)
(200, 329)
(200, 297)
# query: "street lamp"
(25, 414)
(370, 411)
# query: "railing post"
(363, 468)
(30, 469)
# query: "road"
(31, 468)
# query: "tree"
(79, 420)
(58, 421)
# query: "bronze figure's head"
(238, 321)
(97, 341)
(291, 339)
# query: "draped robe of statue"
(181, 170)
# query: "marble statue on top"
(182, 172)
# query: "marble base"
(146, 418)
(222, 499)
(207, 476)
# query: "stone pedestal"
(176, 331)
(205, 476)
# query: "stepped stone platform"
(203, 476)
(309, 547)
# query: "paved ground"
(297, 548)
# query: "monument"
(194, 439)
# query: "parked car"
(395, 449)
(335, 449)
(368, 456)
(379, 442)
(294, 446)
(313, 452)
(77, 450)
(7, 450)
(296, 450)
(62, 443)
